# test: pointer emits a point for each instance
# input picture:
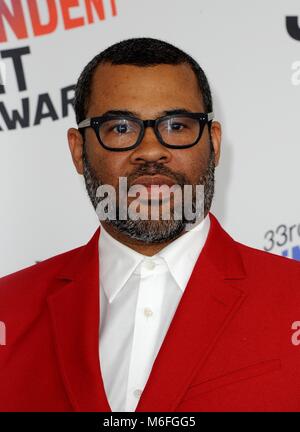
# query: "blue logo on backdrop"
(284, 240)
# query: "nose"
(150, 150)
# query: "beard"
(155, 231)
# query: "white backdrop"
(253, 66)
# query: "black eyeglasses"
(125, 132)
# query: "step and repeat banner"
(251, 54)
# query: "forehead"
(144, 89)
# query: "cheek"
(194, 163)
(109, 167)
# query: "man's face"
(148, 92)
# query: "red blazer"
(228, 348)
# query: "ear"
(216, 134)
(76, 148)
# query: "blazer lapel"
(212, 297)
(74, 310)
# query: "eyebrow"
(173, 111)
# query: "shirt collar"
(181, 254)
(117, 261)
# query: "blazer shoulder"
(36, 274)
(258, 256)
(277, 272)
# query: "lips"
(154, 180)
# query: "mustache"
(155, 168)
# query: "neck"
(139, 246)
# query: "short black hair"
(141, 52)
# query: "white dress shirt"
(138, 298)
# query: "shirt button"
(148, 312)
(137, 393)
(149, 265)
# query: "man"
(150, 315)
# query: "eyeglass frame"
(95, 123)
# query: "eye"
(118, 128)
(121, 128)
(176, 126)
